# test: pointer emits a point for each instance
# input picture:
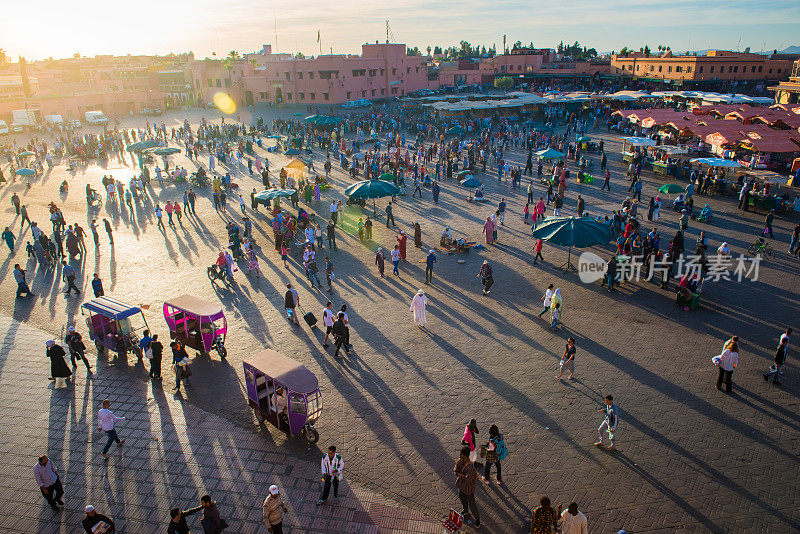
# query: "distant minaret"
(23, 70)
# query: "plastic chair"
(454, 523)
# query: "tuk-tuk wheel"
(312, 436)
(223, 352)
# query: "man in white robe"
(418, 304)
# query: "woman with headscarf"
(417, 235)
(58, 366)
(379, 260)
(557, 300)
(470, 431)
(488, 230)
(401, 242)
(418, 305)
(656, 207)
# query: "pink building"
(383, 70)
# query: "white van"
(54, 120)
(96, 117)
(3, 128)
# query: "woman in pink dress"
(488, 229)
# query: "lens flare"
(225, 103)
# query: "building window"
(394, 71)
(210, 82)
(263, 96)
(678, 69)
(219, 84)
(394, 90)
(408, 70)
(310, 75)
(689, 68)
(730, 69)
(736, 68)
(348, 94)
(313, 96)
(299, 75)
(760, 68)
(779, 71)
(373, 72)
(652, 68)
(660, 68)
(754, 69)
(700, 68)
(637, 68)
(383, 92)
(373, 92)
(383, 71)
(363, 93)
(288, 96)
(302, 96)
(325, 96)
(227, 82)
(770, 71)
(287, 76)
(712, 68)
(669, 69)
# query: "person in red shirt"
(169, 209)
(401, 241)
(537, 246)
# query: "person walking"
(68, 275)
(156, 353)
(418, 306)
(768, 224)
(340, 334)
(332, 466)
(572, 521)
(177, 523)
(486, 276)
(331, 231)
(430, 259)
(606, 182)
(567, 359)
(396, 260)
(93, 519)
(291, 302)
(544, 519)
(46, 475)
(106, 423)
(470, 431)
(537, 247)
(15, 201)
(97, 286)
(794, 241)
(496, 452)
(779, 359)
(181, 370)
(329, 273)
(328, 318)
(159, 215)
(466, 479)
(95, 235)
(58, 365)
(389, 215)
(23, 211)
(380, 260)
(609, 424)
(273, 509)
(8, 237)
(77, 349)
(501, 210)
(727, 362)
(22, 285)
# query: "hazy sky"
(59, 29)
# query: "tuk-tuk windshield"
(297, 403)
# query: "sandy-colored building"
(714, 66)
(788, 92)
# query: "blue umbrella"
(292, 152)
(471, 181)
(571, 232)
(166, 151)
(550, 153)
(264, 197)
(372, 189)
(25, 172)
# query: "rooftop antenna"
(389, 34)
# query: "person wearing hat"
(58, 366)
(77, 350)
(273, 509)
(430, 259)
(93, 519)
(418, 305)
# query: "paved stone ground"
(689, 457)
(173, 453)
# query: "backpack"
(502, 450)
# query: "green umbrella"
(670, 189)
(456, 130)
(549, 153)
(312, 118)
(297, 114)
(166, 151)
(27, 153)
(582, 139)
(389, 177)
(571, 232)
(264, 197)
(470, 181)
(463, 174)
(372, 189)
(141, 145)
(26, 172)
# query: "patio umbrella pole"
(569, 265)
